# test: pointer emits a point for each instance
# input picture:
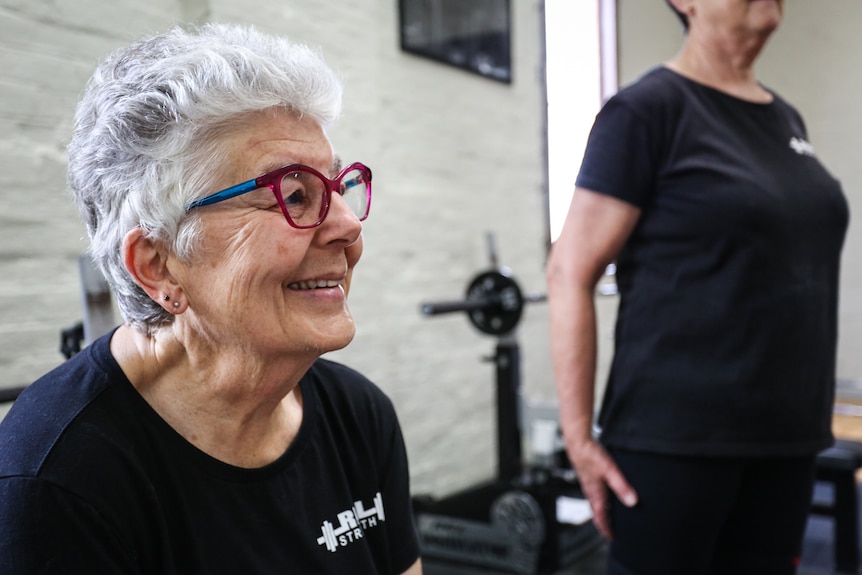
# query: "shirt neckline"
(720, 93)
(102, 356)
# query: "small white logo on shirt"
(352, 524)
(801, 147)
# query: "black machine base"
(503, 527)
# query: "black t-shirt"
(726, 332)
(93, 481)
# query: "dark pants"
(710, 516)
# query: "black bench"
(10, 394)
(837, 466)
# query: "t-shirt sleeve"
(47, 530)
(619, 160)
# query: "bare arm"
(415, 569)
(595, 230)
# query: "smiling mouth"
(313, 284)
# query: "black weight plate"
(503, 306)
(520, 515)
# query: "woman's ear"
(147, 263)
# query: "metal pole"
(508, 360)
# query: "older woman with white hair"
(206, 435)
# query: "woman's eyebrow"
(336, 164)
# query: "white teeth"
(313, 284)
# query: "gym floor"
(816, 560)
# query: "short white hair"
(147, 135)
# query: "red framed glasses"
(304, 194)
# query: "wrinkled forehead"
(264, 141)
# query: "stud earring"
(176, 304)
(166, 297)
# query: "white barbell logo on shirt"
(352, 524)
(801, 146)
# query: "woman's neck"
(236, 408)
(727, 70)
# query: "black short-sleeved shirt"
(726, 332)
(93, 481)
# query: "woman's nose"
(342, 219)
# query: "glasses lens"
(302, 194)
(355, 188)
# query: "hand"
(597, 472)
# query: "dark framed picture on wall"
(474, 35)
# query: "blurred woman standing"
(727, 232)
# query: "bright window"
(581, 72)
